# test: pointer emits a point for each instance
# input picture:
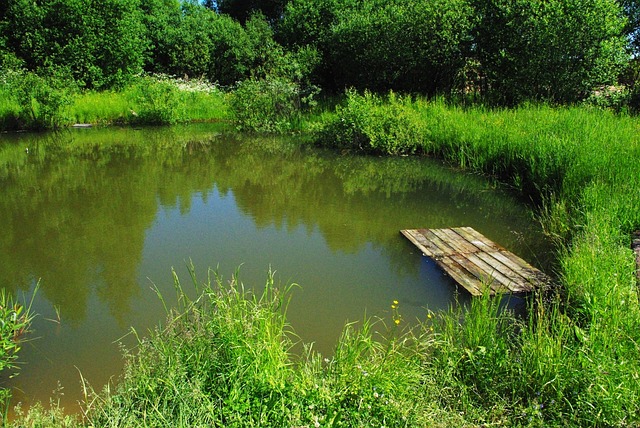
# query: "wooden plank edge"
(421, 242)
(519, 283)
(457, 272)
(504, 282)
(444, 248)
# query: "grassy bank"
(580, 166)
(226, 358)
(32, 102)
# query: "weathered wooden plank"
(518, 281)
(477, 263)
(481, 244)
(423, 244)
(435, 239)
(506, 258)
(470, 283)
(504, 279)
(463, 244)
(456, 247)
(484, 277)
(477, 236)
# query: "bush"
(271, 105)
(157, 102)
(43, 101)
(375, 124)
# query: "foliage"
(15, 321)
(274, 103)
(555, 51)
(194, 41)
(266, 106)
(375, 124)
(631, 10)
(510, 52)
(242, 10)
(158, 102)
(43, 101)
(101, 43)
(615, 98)
(404, 46)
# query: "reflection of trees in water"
(76, 207)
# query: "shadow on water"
(101, 215)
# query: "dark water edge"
(99, 217)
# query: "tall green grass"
(28, 101)
(15, 322)
(225, 358)
(580, 166)
(152, 101)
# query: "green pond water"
(100, 216)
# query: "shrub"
(43, 101)
(371, 123)
(157, 102)
(271, 105)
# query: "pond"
(100, 216)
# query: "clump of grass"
(101, 108)
(576, 357)
(373, 124)
(225, 359)
(15, 321)
(220, 360)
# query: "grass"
(579, 165)
(152, 100)
(15, 321)
(146, 101)
(225, 358)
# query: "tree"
(554, 50)
(414, 46)
(631, 10)
(101, 43)
(243, 9)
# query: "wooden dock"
(475, 262)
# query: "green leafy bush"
(157, 102)
(371, 123)
(43, 101)
(271, 105)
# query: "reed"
(15, 322)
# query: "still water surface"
(100, 216)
